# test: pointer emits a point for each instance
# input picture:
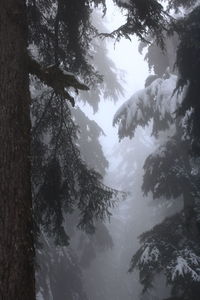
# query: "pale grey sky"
(126, 57)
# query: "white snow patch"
(39, 296)
(158, 96)
(149, 255)
(187, 263)
(182, 268)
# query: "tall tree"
(171, 247)
(45, 32)
(16, 227)
(60, 32)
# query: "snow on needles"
(149, 255)
(186, 264)
(157, 98)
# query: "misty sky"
(127, 59)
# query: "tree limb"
(56, 78)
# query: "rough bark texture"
(16, 234)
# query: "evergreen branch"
(56, 78)
(59, 132)
(37, 125)
(123, 31)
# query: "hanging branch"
(56, 78)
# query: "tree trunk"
(16, 234)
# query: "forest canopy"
(169, 102)
(46, 54)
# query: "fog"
(107, 277)
(98, 265)
(131, 69)
(100, 151)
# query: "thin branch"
(43, 114)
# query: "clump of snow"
(166, 100)
(150, 254)
(187, 263)
(182, 268)
(160, 151)
(129, 109)
(39, 296)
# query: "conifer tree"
(58, 35)
(16, 228)
(171, 247)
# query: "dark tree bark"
(16, 234)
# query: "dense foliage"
(62, 181)
(68, 163)
(170, 104)
(60, 35)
